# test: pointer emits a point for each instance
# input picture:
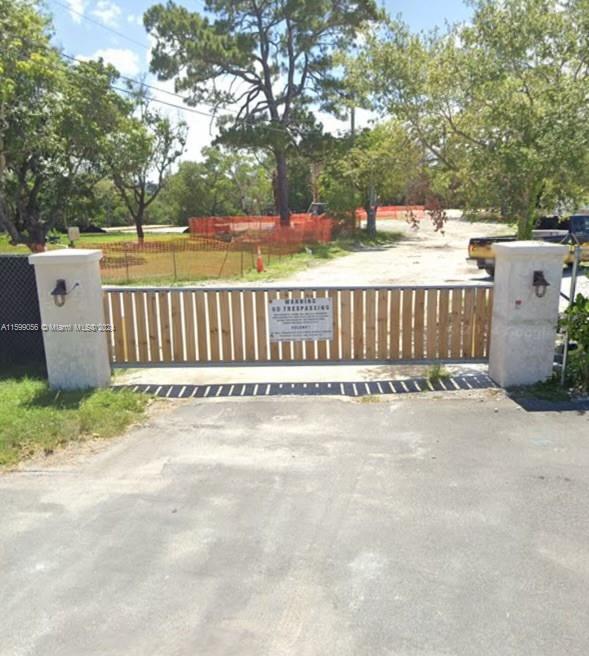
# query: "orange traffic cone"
(260, 262)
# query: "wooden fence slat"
(322, 344)
(152, 327)
(189, 323)
(141, 327)
(480, 320)
(202, 329)
(456, 325)
(166, 338)
(488, 322)
(117, 322)
(213, 326)
(346, 324)
(262, 333)
(237, 325)
(274, 346)
(335, 344)
(407, 325)
(370, 318)
(129, 327)
(108, 322)
(468, 323)
(286, 348)
(178, 346)
(225, 326)
(309, 344)
(419, 324)
(432, 324)
(250, 325)
(298, 345)
(359, 324)
(395, 325)
(383, 311)
(443, 327)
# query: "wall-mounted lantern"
(540, 284)
(60, 292)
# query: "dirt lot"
(423, 256)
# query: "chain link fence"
(190, 258)
(21, 337)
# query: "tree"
(141, 156)
(500, 104)
(54, 119)
(377, 166)
(223, 183)
(271, 58)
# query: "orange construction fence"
(394, 212)
(304, 228)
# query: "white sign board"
(300, 319)
(73, 233)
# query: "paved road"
(307, 528)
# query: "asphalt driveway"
(307, 527)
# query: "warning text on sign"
(300, 319)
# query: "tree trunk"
(525, 224)
(139, 225)
(37, 237)
(282, 188)
(371, 208)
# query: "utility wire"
(184, 108)
(98, 23)
(141, 83)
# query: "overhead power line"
(146, 85)
(89, 19)
(183, 108)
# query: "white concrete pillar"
(73, 332)
(524, 324)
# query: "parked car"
(571, 232)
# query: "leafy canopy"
(500, 103)
(268, 60)
(54, 125)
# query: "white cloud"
(77, 8)
(124, 60)
(135, 19)
(107, 11)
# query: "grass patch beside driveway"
(34, 418)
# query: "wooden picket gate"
(229, 326)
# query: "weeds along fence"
(189, 258)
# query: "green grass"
(88, 240)
(320, 253)
(35, 419)
(550, 390)
(201, 266)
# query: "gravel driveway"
(421, 257)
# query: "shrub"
(576, 321)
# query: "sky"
(113, 30)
